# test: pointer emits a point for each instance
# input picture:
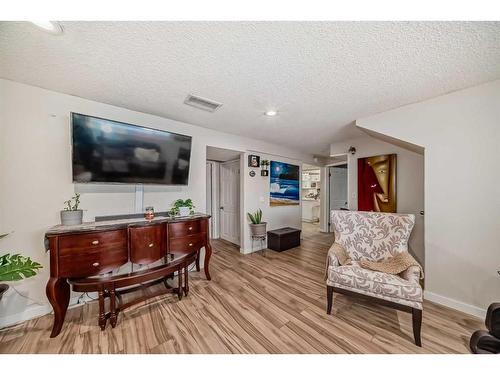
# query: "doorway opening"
(310, 199)
(338, 182)
(224, 193)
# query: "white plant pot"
(184, 211)
(71, 217)
(258, 229)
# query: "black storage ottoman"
(283, 239)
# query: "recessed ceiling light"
(51, 27)
(271, 113)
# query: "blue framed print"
(285, 184)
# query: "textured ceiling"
(319, 76)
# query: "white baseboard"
(454, 304)
(32, 311)
(250, 251)
(35, 311)
(245, 251)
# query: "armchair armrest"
(412, 274)
(331, 260)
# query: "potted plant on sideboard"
(257, 226)
(72, 215)
(15, 267)
(182, 207)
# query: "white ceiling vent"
(202, 103)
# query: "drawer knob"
(151, 245)
(95, 242)
(190, 228)
(95, 264)
(191, 244)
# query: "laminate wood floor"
(254, 304)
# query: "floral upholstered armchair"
(376, 237)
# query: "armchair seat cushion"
(376, 284)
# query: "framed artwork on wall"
(377, 183)
(284, 184)
(254, 161)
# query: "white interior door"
(230, 201)
(338, 187)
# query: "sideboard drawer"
(187, 244)
(186, 228)
(147, 244)
(83, 255)
(72, 244)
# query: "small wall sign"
(254, 161)
(264, 165)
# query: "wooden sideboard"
(97, 248)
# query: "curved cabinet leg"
(417, 324)
(58, 292)
(208, 254)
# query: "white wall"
(409, 181)
(35, 177)
(256, 196)
(461, 135)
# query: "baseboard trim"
(247, 251)
(35, 311)
(31, 312)
(456, 305)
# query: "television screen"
(115, 152)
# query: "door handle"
(221, 207)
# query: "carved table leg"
(179, 278)
(58, 292)
(186, 282)
(208, 254)
(102, 315)
(112, 306)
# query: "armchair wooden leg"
(417, 324)
(329, 299)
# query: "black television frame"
(129, 124)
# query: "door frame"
(214, 198)
(326, 186)
(238, 204)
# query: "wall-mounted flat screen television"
(108, 151)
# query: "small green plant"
(182, 203)
(70, 206)
(264, 163)
(255, 218)
(17, 267)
